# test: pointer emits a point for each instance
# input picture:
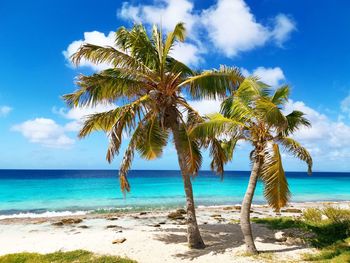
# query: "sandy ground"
(152, 237)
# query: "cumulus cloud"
(206, 106)
(49, 133)
(77, 115)
(166, 12)
(284, 25)
(94, 37)
(326, 138)
(271, 76)
(229, 25)
(233, 28)
(45, 132)
(5, 110)
(345, 105)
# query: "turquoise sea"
(31, 192)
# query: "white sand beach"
(153, 237)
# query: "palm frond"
(215, 126)
(151, 144)
(213, 84)
(221, 152)
(237, 109)
(137, 43)
(179, 33)
(295, 121)
(281, 95)
(109, 55)
(190, 148)
(276, 189)
(103, 121)
(106, 86)
(125, 122)
(271, 114)
(297, 150)
(250, 88)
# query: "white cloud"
(187, 53)
(45, 132)
(283, 28)
(271, 76)
(326, 137)
(165, 12)
(5, 110)
(94, 37)
(206, 106)
(229, 25)
(345, 105)
(233, 28)
(77, 115)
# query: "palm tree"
(152, 88)
(254, 114)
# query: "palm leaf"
(276, 186)
(213, 84)
(281, 95)
(297, 150)
(215, 126)
(151, 144)
(190, 148)
(271, 114)
(221, 152)
(295, 121)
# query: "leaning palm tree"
(254, 114)
(152, 87)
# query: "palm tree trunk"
(245, 209)
(194, 238)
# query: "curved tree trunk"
(194, 238)
(245, 209)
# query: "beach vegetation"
(151, 89)
(330, 234)
(78, 256)
(254, 114)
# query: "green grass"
(331, 229)
(77, 256)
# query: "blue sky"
(300, 43)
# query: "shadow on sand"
(218, 238)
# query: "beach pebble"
(176, 216)
(143, 213)
(181, 211)
(112, 226)
(280, 236)
(67, 221)
(119, 240)
(112, 218)
(215, 215)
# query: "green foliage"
(253, 113)
(336, 214)
(78, 256)
(276, 189)
(331, 229)
(312, 215)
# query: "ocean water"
(34, 192)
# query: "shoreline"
(130, 210)
(151, 236)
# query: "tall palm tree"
(152, 87)
(254, 114)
